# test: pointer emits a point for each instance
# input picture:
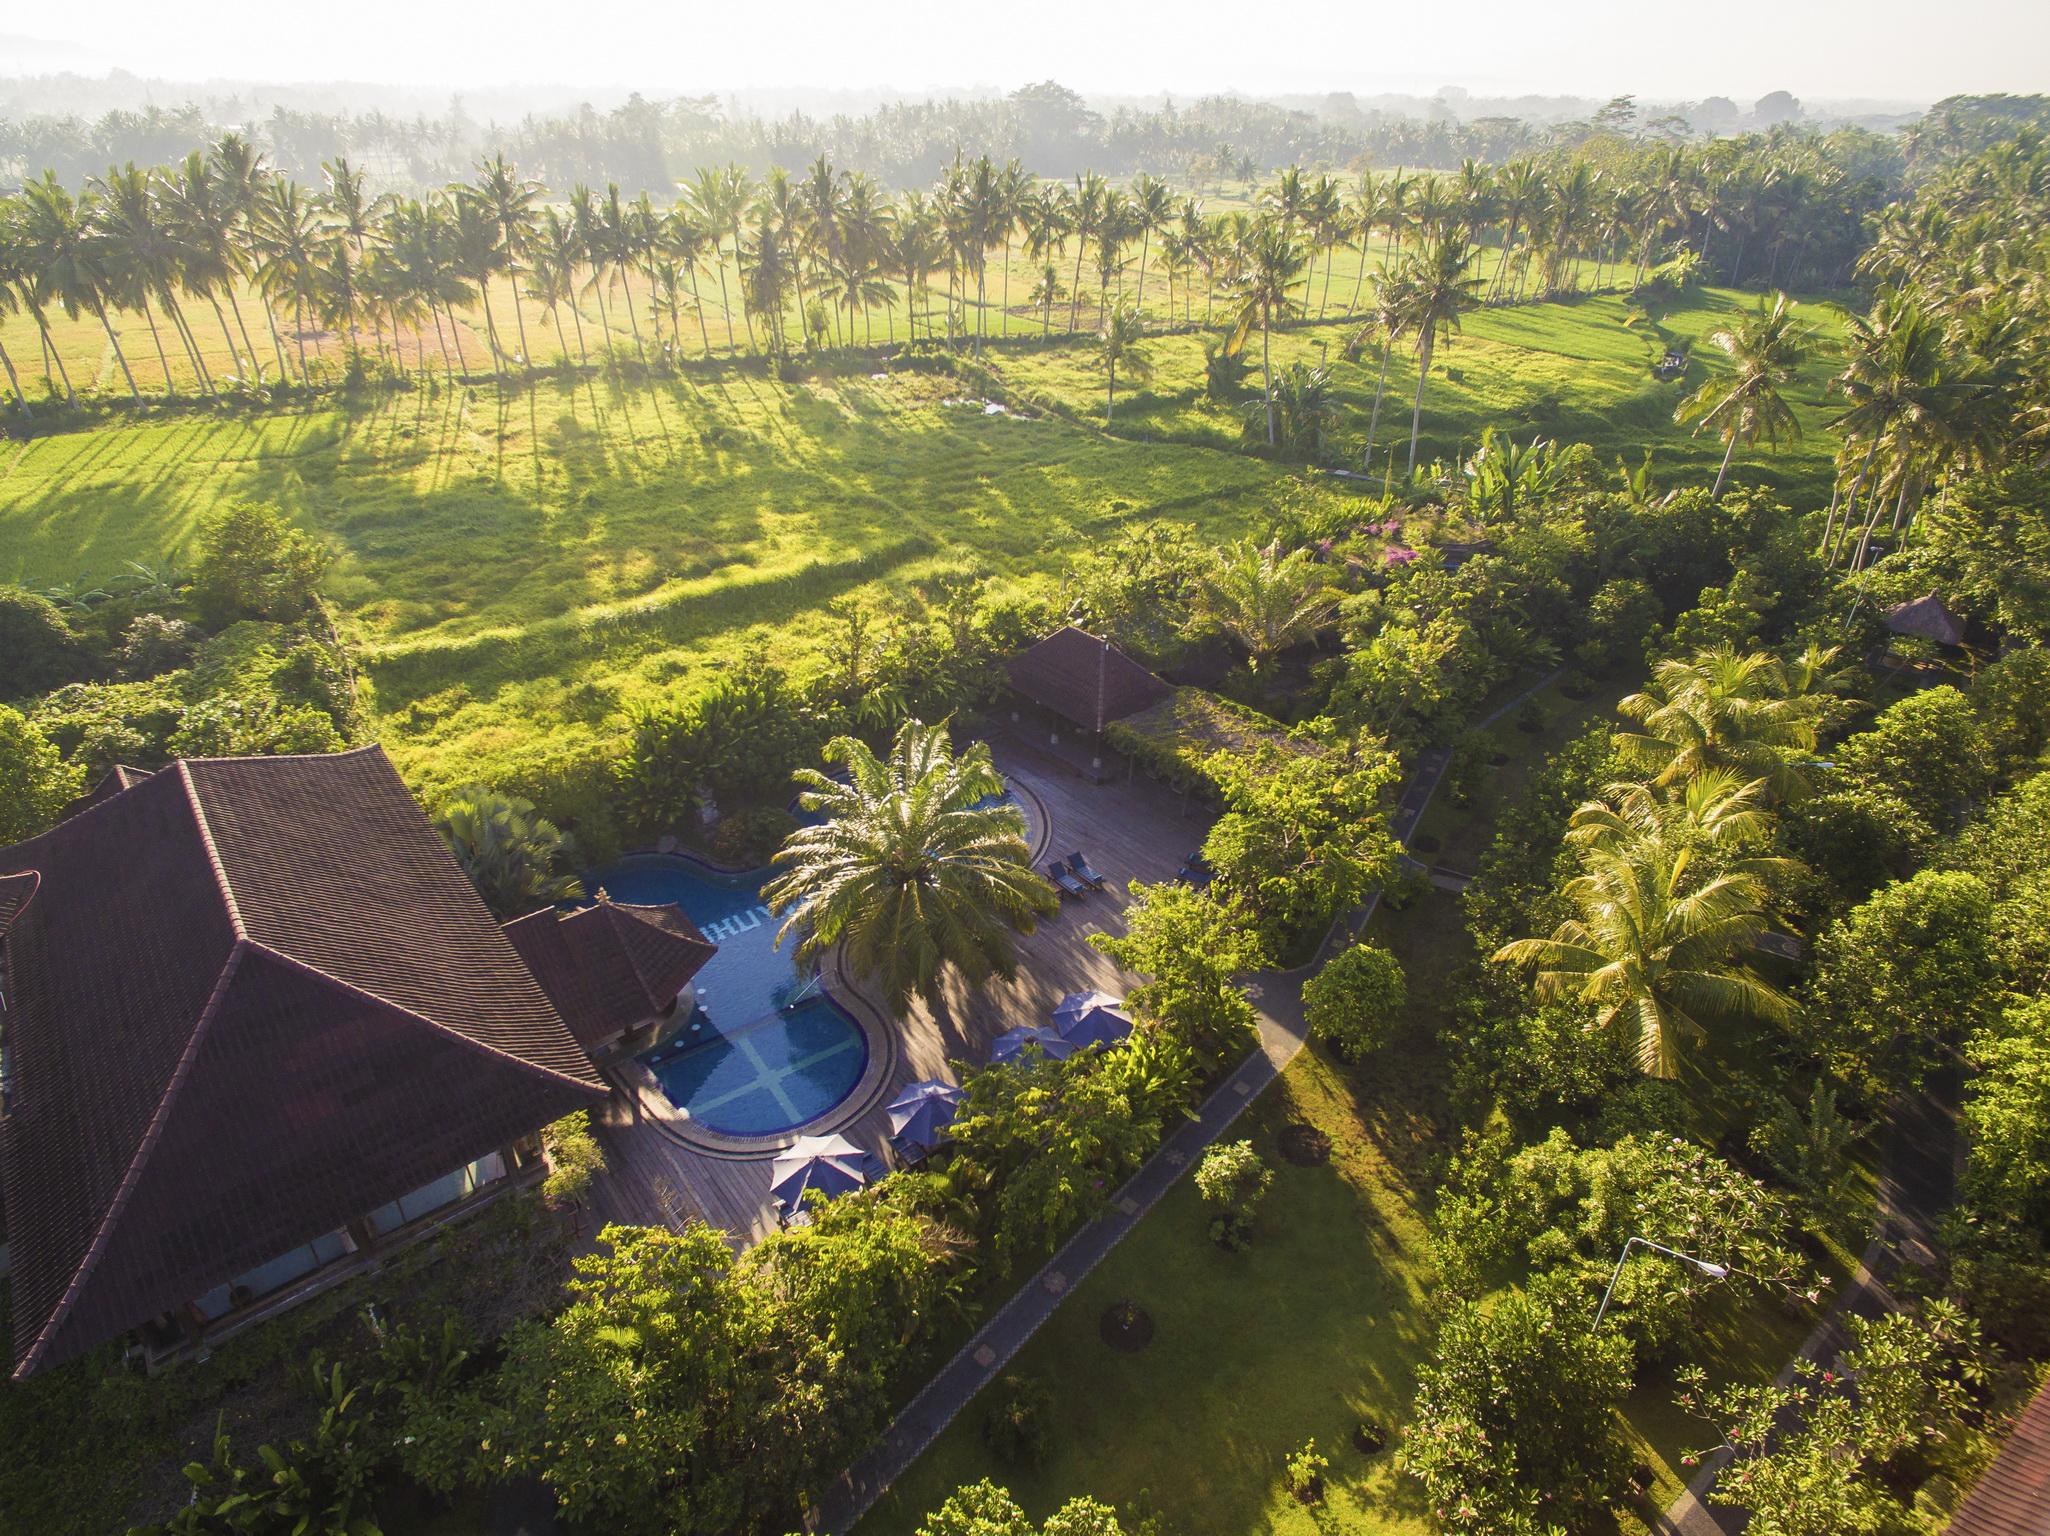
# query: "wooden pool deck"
(1130, 829)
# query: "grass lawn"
(1317, 1324)
(1572, 371)
(515, 571)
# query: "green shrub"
(1016, 1428)
(746, 839)
(1357, 1001)
(1232, 1179)
(253, 564)
(38, 650)
(1304, 1472)
(574, 1159)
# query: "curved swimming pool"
(766, 1051)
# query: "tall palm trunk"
(221, 319)
(626, 288)
(490, 326)
(1416, 413)
(1359, 281)
(277, 342)
(299, 338)
(1145, 241)
(562, 341)
(184, 329)
(235, 307)
(512, 273)
(1007, 282)
(51, 354)
(14, 382)
(156, 338)
(448, 364)
(1721, 474)
(704, 334)
(745, 313)
(1851, 505)
(1267, 371)
(1075, 293)
(119, 356)
(1380, 386)
(455, 331)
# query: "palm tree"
(285, 231)
(1724, 709)
(1262, 292)
(1901, 386)
(1265, 600)
(1391, 314)
(67, 263)
(1304, 401)
(915, 867)
(920, 248)
(198, 209)
(1119, 347)
(477, 245)
(143, 258)
(1658, 943)
(1086, 218)
(552, 276)
(1435, 291)
(510, 201)
(1519, 190)
(1746, 405)
(1049, 220)
(12, 283)
(1152, 208)
(516, 858)
(243, 177)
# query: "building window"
(444, 1191)
(275, 1274)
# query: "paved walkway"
(1278, 997)
(1916, 1185)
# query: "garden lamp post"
(1713, 1271)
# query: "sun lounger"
(1068, 884)
(1083, 872)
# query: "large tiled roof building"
(256, 1020)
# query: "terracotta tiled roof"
(610, 968)
(111, 783)
(2012, 1497)
(1085, 679)
(252, 999)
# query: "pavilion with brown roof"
(1084, 679)
(611, 969)
(1926, 618)
(257, 1022)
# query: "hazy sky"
(1899, 49)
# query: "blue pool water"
(754, 1064)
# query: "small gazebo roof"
(611, 967)
(1084, 678)
(1926, 618)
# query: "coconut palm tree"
(552, 277)
(1262, 292)
(1435, 291)
(916, 866)
(919, 248)
(1152, 210)
(1265, 600)
(143, 258)
(1086, 218)
(1657, 948)
(197, 207)
(1119, 346)
(509, 199)
(1724, 709)
(477, 246)
(1049, 219)
(1391, 315)
(1305, 404)
(286, 234)
(1745, 405)
(67, 262)
(12, 283)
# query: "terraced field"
(515, 570)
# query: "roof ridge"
(213, 852)
(314, 971)
(133, 1174)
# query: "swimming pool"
(767, 1052)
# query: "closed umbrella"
(1012, 1043)
(832, 1165)
(920, 1115)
